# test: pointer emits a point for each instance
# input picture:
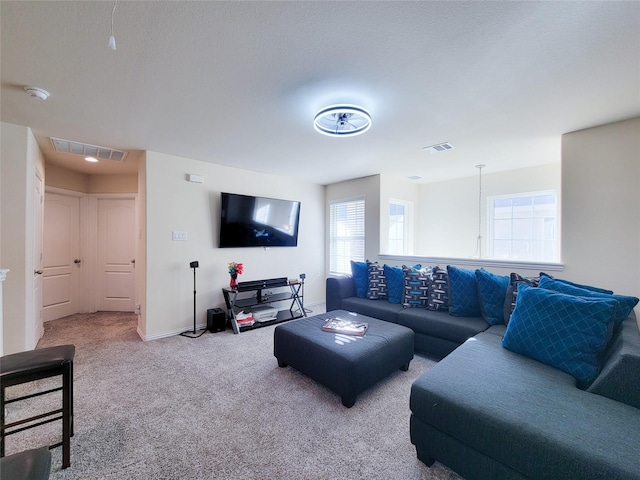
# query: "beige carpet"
(218, 407)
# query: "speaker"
(216, 320)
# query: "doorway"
(89, 253)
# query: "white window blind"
(346, 234)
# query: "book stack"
(244, 319)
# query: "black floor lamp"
(194, 334)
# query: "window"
(346, 234)
(399, 227)
(523, 226)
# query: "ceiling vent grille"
(439, 147)
(76, 148)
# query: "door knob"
(133, 261)
(77, 260)
(37, 272)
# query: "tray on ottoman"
(346, 364)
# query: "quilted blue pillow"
(463, 292)
(624, 303)
(586, 287)
(360, 275)
(492, 290)
(395, 283)
(564, 331)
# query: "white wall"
(369, 188)
(21, 159)
(448, 221)
(173, 203)
(601, 206)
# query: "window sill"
(477, 262)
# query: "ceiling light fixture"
(37, 92)
(91, 159)
(112, 38)
(342, 121)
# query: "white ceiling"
(238, 83)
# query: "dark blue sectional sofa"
(490, 413)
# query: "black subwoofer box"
(216, 320)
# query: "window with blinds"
(346, 234)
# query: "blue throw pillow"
(586, 287)
(492, 290)
(395, 282)
(624, 303)
(360, 275)
(463, 292)
(564, 331)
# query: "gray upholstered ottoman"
(346, 364)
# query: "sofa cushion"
(416, 287)
(492, 290)
(526, 415)
(620, 375)
(377, 281)
(440, 324)
(463, 292)
(438, 290)
(372, 308)
(564, 331)
(624, 305)
(360, 276)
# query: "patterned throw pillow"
(360, 277)
(377, 282)
(463, 289)
(416, 287)
(567, 332)
(492, 290)
(512, 293)
(438, 290)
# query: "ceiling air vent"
(76, 148)
(439, 147)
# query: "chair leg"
(66, 416)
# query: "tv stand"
(267, 292)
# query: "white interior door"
(61, 256)
(116, 254)
(36, 324)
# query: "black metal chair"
(32, 464)
(23, 367)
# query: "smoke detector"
(37, 92)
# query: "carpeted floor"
(218, 407)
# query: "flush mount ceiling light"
(342, 121)
(37, 92)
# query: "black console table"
(264, 293)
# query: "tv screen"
(247, 221)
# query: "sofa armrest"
(338, 288)
(620, 376)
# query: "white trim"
(170, 333)
(3, 274)
(483, 262)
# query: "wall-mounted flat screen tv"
(247, 221)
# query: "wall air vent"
(439, 147)
(76, 148)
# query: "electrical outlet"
(179, 236)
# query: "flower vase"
(233, 283)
